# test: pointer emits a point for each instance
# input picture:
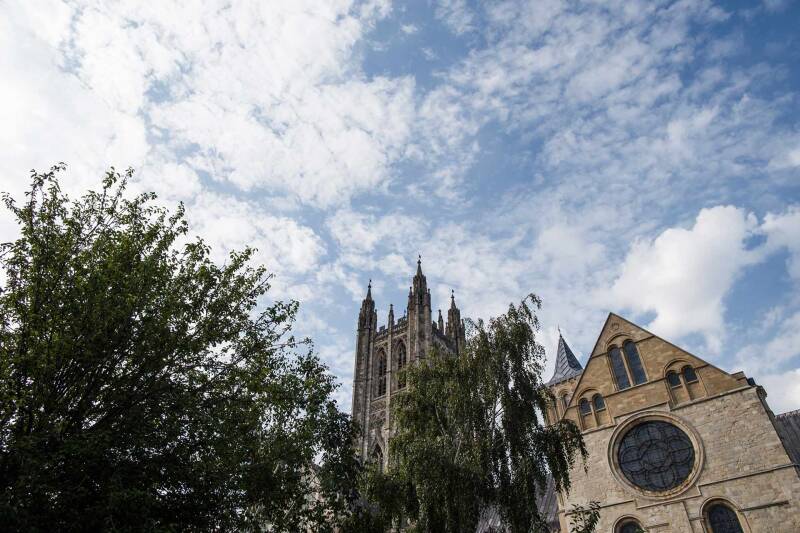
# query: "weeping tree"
(143, 386)
(469, 433)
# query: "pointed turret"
(420, 283)
(453, 317)
(440, 322)
(420, 326)
(567, 365)
(365, 317)
(455, 329)
(391, 316)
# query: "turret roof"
(567, 365)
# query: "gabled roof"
(567, 365)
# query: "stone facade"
(381, 351)
(739, 460)
(721, 444)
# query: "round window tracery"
(656, 456)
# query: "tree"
(469, 433)
(144, 387)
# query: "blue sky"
(636, 157)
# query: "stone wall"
(739, 457)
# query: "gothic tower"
(381, 351)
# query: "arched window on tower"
(380, 375)
(401, 363)
(376, 458)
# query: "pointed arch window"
(377, 457)
(401, 363)
(381, 374)
(723, 519)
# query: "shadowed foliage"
(469, 433)
(144, 387)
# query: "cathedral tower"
(381, 351)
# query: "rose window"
(656, 456)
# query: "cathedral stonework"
(675, 444)
(382, 351)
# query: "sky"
(640, 157)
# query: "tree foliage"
(143, 386)
(469, 434)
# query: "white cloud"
(456, 15)
(781, 348)
(783, 390)
(239, 88)
(683, 275)
(783, 230)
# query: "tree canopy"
(469, 434)
(143, 386)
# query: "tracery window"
(381, 375)
(656, 456)
(723, 519)
(401, 362)
(377, 457)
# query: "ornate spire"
(369, 290)
(567, 365)
(453, 299)
(419, 265)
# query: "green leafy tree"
(585, 519)
(469, 433)
(144, 387)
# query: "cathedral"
(675, 444)
(382, 351)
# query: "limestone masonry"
(675, 444)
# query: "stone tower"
(383, 350)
